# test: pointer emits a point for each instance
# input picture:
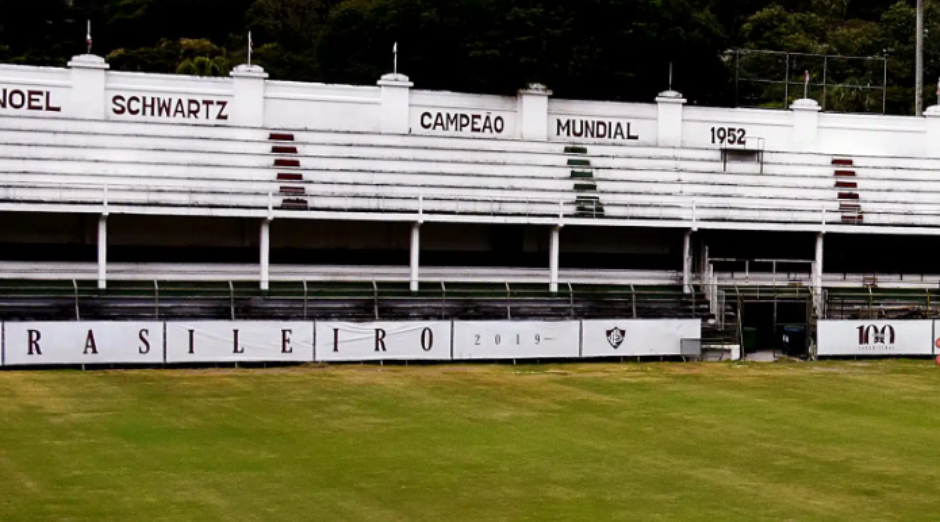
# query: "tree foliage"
(593, 49)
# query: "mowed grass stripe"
(820, 441)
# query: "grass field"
(812, 441)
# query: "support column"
(554, 251)
(687, 262)
(247, 107)
(818, 274)
(265, 253)
(396, 103)
(533, 112)
(669, 118)
(87, 95)
(805, 125)
(932, 143)
(415, 256)
(102, 251)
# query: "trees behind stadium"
(590, 49)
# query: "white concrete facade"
(88, 140)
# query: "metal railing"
(129, 197)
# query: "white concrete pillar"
(554, 252)
(87, 95)
(248, 95)
(818, 274)
(805, 125)
(415, 256)
(396, 103)
(102, 251)
(669, 119)
(932, 138)
(265, 247)
(687, 262)
(533, 112)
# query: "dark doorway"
(779, 326)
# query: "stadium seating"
(151, 168)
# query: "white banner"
(239, 341)
(383, 341)
(47, 343)
(875, 337)
(635, 337)
(516, 339)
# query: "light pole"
(919, 81)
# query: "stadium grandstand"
(138, 196)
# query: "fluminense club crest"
(615, 337)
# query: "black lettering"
(145, 346)
(589, 127)
(602, 129)
(631, 136)
(285, 342)
(49, 106)
(439, 122)
(179, 110)
(130, 110)
(35, 100)
(427, 339)
(3, 98)
(453, 122)
(192, 344)
(207, 104)
(464, 122)
(562, 128)
(336, 337)
(499, 124)
(148, 103)
(475, 123)
(17, 104)
(379, 340)
(193, 106)
(34, 336)
(164, 107)
(425, 120)
(221, 115)
(487, 124)
(90, 343)
(117, 105)
(236, 349)
(618, 132)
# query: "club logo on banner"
(515, 339)
(874, 338)
(241, 341)
(383, 341)
(613, 338)
(48, 343)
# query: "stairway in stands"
(849, 204)
(287, 163)
(587, 203)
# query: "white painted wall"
(247, 98)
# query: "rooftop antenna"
(88, 37)
(395, 53)
(250, 45)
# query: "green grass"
(581, 442)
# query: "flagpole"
(88, 37)
(395, 52)
(249, 47)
